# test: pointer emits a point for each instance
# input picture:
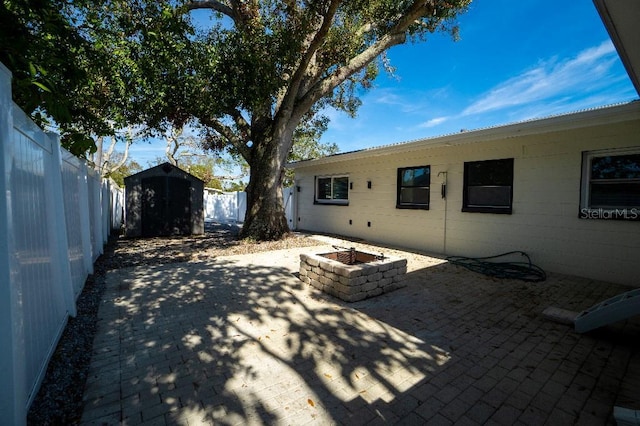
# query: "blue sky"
(516, 60)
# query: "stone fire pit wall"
(353, 282)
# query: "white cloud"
(433, 122)
(400, 102)
(409, 101)
(550, 79)
(387, 97)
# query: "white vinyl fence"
(55, 216)
(224, 207)
(231, 207)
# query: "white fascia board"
(620, 18)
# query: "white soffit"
(622, 20)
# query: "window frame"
(587, 211)
(466, 207)
(399, 187)
(332, 200)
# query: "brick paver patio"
(240, 340)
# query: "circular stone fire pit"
(353, 275)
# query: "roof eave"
(620, 18)
(594, 117)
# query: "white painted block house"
(564, 189)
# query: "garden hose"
(525, 271)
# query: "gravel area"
(59, 401)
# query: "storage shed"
(163, 200)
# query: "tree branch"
(227, 132)
(228, 177)
(243, 126)
(123, 160)
(213, 5)
(396, 35)
(315, 42)
(172, 140)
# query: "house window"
(488, 186)
(610, 184)
(413, 187)
(332, 190)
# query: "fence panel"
(12, 395)
(55, 216)
(95, 212)
(223, 207)
(75, 205)
(231, 207)
(44, 312)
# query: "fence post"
(58, 239)
(13, 390)
(94, 185)
(105, 190)
(85, 218)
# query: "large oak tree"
(257, 79)
(271, 66)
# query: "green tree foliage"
(83, 68)
(235, 186)
(206, 174)
(257, 79)
(270, 67)
(206, 168)
(40, 46)
(184, 149)
(129, 168)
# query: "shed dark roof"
(166, 167)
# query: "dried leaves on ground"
(218, 240)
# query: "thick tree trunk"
(265, 218)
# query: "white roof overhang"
(622, 20)
(593, 117)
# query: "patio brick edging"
(352, 283)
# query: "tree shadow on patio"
(234, 342)
(241, 340)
